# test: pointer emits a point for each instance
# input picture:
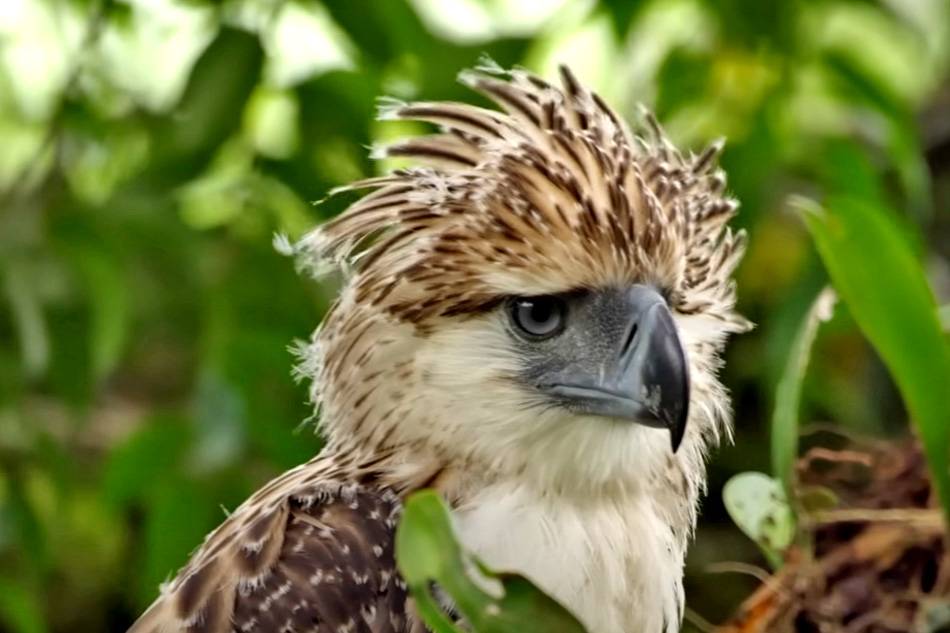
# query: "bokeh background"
(150, 149)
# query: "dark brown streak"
(427, 112)
(506, 95)
(419, 150)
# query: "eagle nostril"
(628, 341)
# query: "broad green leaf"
(759, 507)
(789, 392)
(427, 552)
(877, 276)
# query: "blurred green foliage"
(150, 149)
(882, 282)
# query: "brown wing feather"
(317, 560)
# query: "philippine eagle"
(530, 324)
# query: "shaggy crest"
(555, 193)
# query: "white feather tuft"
(282, 244)
(387, 108)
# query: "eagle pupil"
(539, 316)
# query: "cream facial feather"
(529, 316)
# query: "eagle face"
(613, 352)
(573, 391)
(545, 297)
(577, 389)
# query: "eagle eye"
(538, 317)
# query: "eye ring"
(538, 318)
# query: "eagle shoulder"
(298, 556)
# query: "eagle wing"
(318, 560)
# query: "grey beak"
(648, 379)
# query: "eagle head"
(543, 295)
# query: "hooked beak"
(647, 381)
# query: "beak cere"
(646, 380)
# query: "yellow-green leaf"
(427, 552)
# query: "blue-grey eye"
(539, 317)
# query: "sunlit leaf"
(788, 394)
(876, 274)
(759, 507)
(427, 552)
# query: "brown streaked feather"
(553, 188)
(477, 123)
(302, 556)
(438, 151)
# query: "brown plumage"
(558, 184)
(420, 384)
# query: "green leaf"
(20, 608)
(211, 108)
(875, 272)
(427, 552)
(146, 457)
(622, 14)
(26, 307)
(178, 515)
(109, 306)
(758, 505)
(851, 71)
(20, 521)
(789, 392)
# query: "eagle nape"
(619, 357)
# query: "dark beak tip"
(676, 436)
(677, 424)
